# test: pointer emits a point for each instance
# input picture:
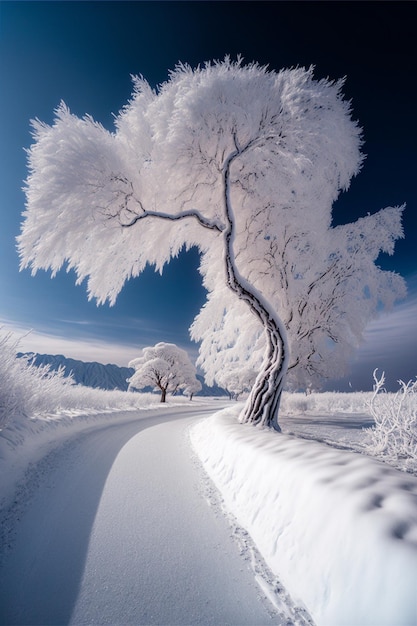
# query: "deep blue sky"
(84, 53)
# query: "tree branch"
(206, 223)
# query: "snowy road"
(118, 532)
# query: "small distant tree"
(237, 379)
(165, 367)
(192, 388)
(243, 163)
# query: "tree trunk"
(163, 395)
(262, 405)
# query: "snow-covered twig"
(394, 435)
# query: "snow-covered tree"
(236, 379)
(194, 386)
(164, 366)
(227, 157)
(327, 287)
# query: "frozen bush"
(24, 388)
(294, 403)
(30, 391)
(325, 403)
(394, 435)
(10, 373)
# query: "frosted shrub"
(30, 391)
(333, 401)
(10, 372)
(24, 388)
(394, 435)
(294, 403)
(325, 403)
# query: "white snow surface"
(338, 527)
(27, 440)
(114, 526)
(108, 518)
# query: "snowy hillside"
(93, 374)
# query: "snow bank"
(338, 528)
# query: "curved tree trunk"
(262, 405)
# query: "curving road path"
(119, 532)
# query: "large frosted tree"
(225, 157)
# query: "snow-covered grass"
(326, 403)
(338, 528)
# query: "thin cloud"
(394, 333)
(390, 344)
(78, 322)
(83, 349)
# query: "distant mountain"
(100, 376)
(210, 391)
(94, 374)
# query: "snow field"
(338, 528)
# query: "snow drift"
(338, 528)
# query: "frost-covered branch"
(394, 435)
(206, 223)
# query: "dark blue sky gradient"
(84, 53)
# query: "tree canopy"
(245, 164)
(326, 286)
